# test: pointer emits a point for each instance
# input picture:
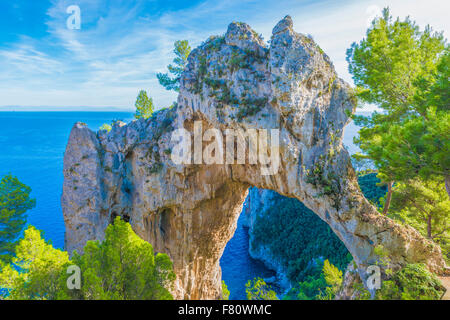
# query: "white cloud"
(26, 59)
(118, 51)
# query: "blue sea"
(32, 147)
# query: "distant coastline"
(64, 109)
(96, 109)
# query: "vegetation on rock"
(323, 286)
(258, 289)
(412, 282)
(105, 127)
(181, 51)
(425, 206)
(144, 106)
(225, 291)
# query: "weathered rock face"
(351, 282)
(189, 211)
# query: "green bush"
(122, 267)
(15, 201)
(225, 291)
(258, 289)
(370, 188)
(413, 282)
(309, 289)
(323, 286)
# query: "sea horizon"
(98, 109)
(67, 109)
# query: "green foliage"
(405, 72)
(372, 188)
(388, 61)
(121, 267)
(14, 202)
(361, 165)
(106, 127)
(238, 60)
(310, 289)
(361, 293)
(156, 167)
(214, 43)
(35, 271)
(250, 107)
(243, 59)
(333, 276)
(333, 279)
(323, 285)
(181, 51)
(258, 289)
(225, 291)
(435, 90)
(425, 206)
(413, 282)
(327, 182)
(144, 106)
(416, 147)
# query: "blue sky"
(122, 44)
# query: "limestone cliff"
(189, 211)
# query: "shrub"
(258, 289)
(225, 291)
(122, 267)
(413, 282)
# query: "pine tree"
(333, 276)
(425, 206)
(181, 51)
(35, 270)
(144, 106)
(14, 202)
(388, 67)
(121, 267)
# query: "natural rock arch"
(190, 211)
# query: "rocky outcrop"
(189, 211)
(350, 284)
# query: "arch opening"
(281, 241)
